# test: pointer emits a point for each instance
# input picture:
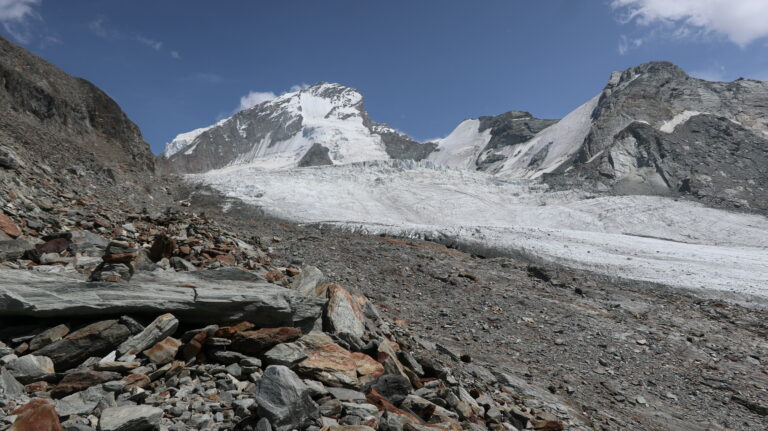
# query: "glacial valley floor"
(629, 356)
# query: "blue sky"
(423, 66)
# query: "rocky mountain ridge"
(44, 110)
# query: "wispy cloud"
(740, 21)
(625, 44)
(103, 29)
(254, 98)
(15, 15)
(154, 44)
(298, 87)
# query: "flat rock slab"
(221, 295)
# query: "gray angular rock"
(9, 386)
(162, 327)
(180, 264)
(343, 313)
(9, 159)
(227, 294)
(83, 402)
(130, 418)
(287, 354)
(30, 368)
(284, 399)
(14, 249)
(308, 279)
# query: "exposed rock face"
(320, 125)
(506, 130)
(41, 106)
(658, 131)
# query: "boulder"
(9, 159)
(48, 336)
(394, 387)
(327, 362)
(287, 354)
(30, 368)
(37, 415)
(130, 418)
(13, 249)
(225, 295)
(256, 342)
(284, 399)
(161, 328)
(82, 380)
(87, 243)
(96, 339)
(307, 281)
(343, 314)
(83, 402)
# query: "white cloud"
(14, 15)
(175, 55)
(156, 45)
(741, 21)
(625, 44)
(298, 87)
(98, 28)
(254, 98)
(16, 10)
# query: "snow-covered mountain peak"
(322, 124)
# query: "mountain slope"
(44, 110)
(322, 124)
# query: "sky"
(423, 66)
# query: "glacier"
(647, 238)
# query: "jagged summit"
(323, 124)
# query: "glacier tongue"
(646, 238)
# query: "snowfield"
(656, 239)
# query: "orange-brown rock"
(368, 369)
(229, 331)
(256, 342)
(8, 226)
(36, 387)
(136, 381)
(328, 362)
(226, 259)
(164, 351)
(193, 348)
(36, 415)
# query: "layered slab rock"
(218, 295)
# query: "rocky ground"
(150, 314)
(385, 334)
(623, 355)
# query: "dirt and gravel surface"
(627, 355)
